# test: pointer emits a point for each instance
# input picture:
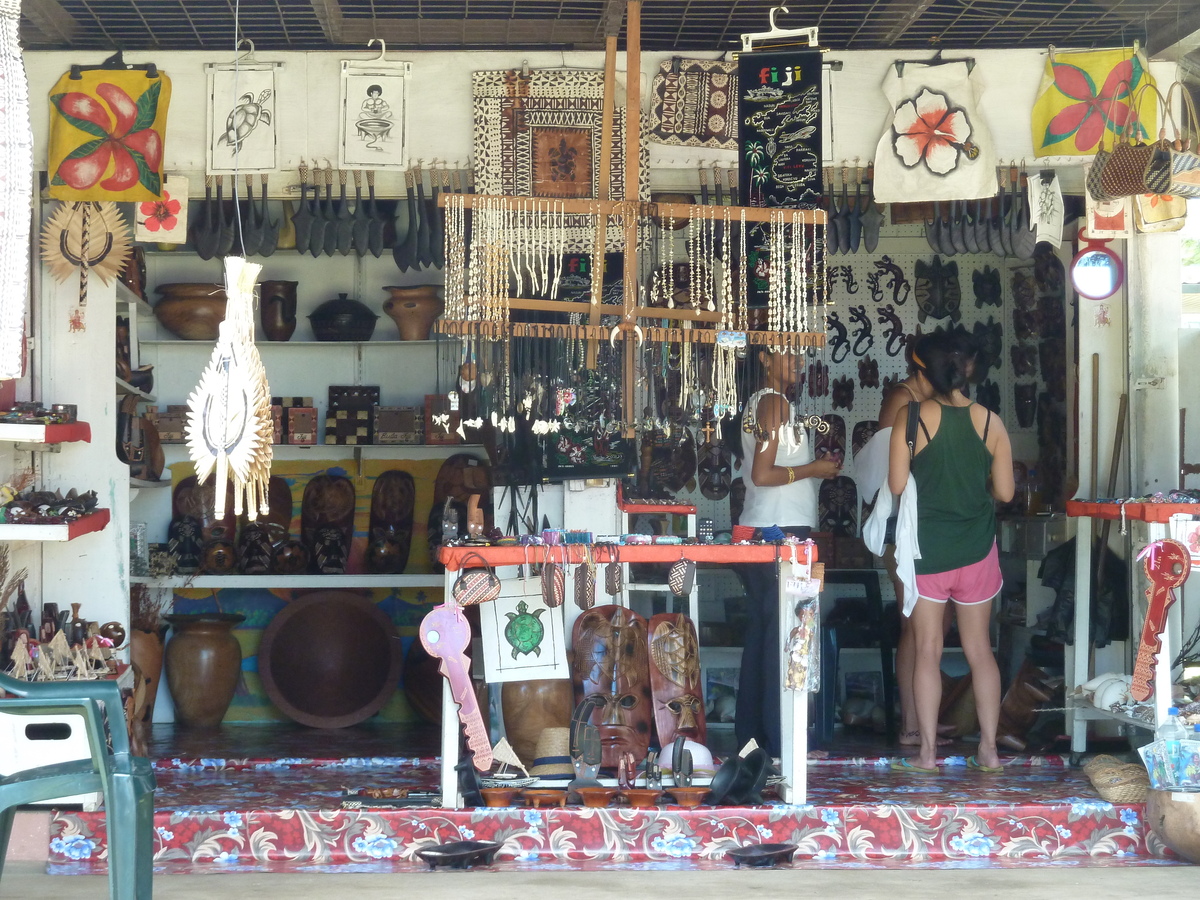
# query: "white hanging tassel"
(229, 428)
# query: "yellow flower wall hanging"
(107, 135)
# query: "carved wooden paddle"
(302, 220)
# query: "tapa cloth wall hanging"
(107, 135)
(538, 135)
(164, 220)
(780, 119)
(694, 103)
(936, 145)
(373, 120)
(241, 118)
(16, 156)
(1086, 93)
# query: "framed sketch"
(373, 120)
(241, 118)
(523, 638)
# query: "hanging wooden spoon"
(331, 215)
(400, 222)
(872, 217)
(225, 230)
(362, 222)
(345, 222)
(405, 253)
(437, 224)
(316, 238)
(302, 219)
(377, 220)
(854, 217)
(204, 237)
(270, 229)
(251, 223)
(422, 256)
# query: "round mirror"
(1096, 272)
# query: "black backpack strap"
(987, 423)
(910, 433)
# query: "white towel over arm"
(871, 466)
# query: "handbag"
(1159, 213)
(554, 585)
(1184, 178)
(681, 577)
(1124, 172)
(1095, 182)
(910, 438)
(475, 586)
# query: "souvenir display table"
(794, 703)
(1157, 516)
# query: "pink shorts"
(976, 583)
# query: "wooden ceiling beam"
(329, 14)
(610, 19)
(58, 25)
(906, 12)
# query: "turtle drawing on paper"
(244, 118)
(524, 631)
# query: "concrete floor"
(26, 880)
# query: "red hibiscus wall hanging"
(107, 135)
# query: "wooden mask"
(612, 665)
(675, 679)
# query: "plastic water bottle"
(1171, 729)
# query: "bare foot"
(988, 758)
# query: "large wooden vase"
(146, 653)
(414, 309)
(204, 662)
(530, 706)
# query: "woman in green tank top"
(961, 461)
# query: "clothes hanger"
(936, 60)
(776, 33)
(115, 62)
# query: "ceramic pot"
(414, 309)
(343, 319)
(146, 652)
(531, 706)
(204, 663)
(277, 306)
(191, 311)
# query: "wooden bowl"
(596, 797)
(191, 311)
(671, 197)
(642, 798)
(498, 796)
(688, 797)
(544, 797)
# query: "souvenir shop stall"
(500, 527)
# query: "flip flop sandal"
(391, 524)
(903, 765)
(973, 763)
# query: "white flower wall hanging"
(929, 130)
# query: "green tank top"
(956, 521)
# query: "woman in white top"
(781, 491)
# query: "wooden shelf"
(34, 433)
(94, 521)
(292, 581)
(277, 345)
(125, 295)
(124, 387)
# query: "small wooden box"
(349, 426)
(172, 424)
(287, 402)
(301, 424)
(399, 425)
(277, 430)
(356, 396)
(437, 405)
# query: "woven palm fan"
(229, 429)
(87, 235)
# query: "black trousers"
(760, 682)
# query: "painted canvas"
(242, 105)
(164, 221)
(523, 638)
(373, 129)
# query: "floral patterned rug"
(256, 813)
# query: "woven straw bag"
(475, 586)
(1120, 782)
(1124, 172)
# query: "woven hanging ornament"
(85, 235)
(229, 428)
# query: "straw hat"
(552, 759)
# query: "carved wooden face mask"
(612, 667)
(675, 679)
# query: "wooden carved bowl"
(596, 797)
(688, 797)
(546, 797)
(329, 659)
(642, 798)
(193, 312)
(497, 797)
(1177, 824)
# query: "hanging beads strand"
(743, 295)
(726, 299)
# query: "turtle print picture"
(242, 119)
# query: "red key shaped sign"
(1168, 565)
(446, 634)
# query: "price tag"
(805, 588)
